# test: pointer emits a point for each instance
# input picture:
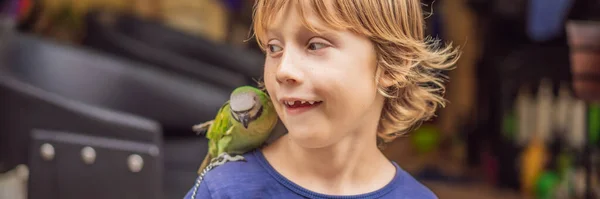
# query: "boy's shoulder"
(409, 187)
(239, 179)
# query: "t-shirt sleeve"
(202, 192)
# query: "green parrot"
(242, 124)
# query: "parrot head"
(246, 105)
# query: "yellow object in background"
(533, 160)
(82, 6)
(206, 18)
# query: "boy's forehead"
(296, 16)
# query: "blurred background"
(98, 97)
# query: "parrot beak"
(245, 120)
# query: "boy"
(344, 76)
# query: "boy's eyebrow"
(325, 32)
(274, 33)
(318, 28)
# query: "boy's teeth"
(291, 103)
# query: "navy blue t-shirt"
(255, 178)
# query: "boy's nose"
(288, 71)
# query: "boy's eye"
(316, 46)
(274, 48)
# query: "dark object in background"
(238, 60)
(501, 31)
(175, 101)
(156, 44)
(509, 60)
(239, 14)
(108, 39)
(585, 10)
(27, 22)
(56, 167)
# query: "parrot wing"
(220, 125)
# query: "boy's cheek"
(276, 105)
(270, 82)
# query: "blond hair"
(408, 62)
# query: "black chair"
(246, 61)
(175, 101)
(159, 46)
(60, 128)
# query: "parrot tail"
(201, 128)
(205, 163)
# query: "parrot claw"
(218, 161)
(224, 158)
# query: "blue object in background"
(233, 5)
(546, 18)
(437, 31)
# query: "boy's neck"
(352, 166)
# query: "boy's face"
(335, 70)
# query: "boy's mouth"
(301, 103)
(296, 106)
